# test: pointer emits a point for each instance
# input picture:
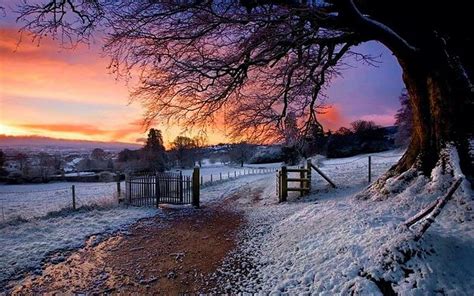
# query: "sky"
(63, 93)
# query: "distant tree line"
(361, 137)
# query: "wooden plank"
(323, 175)
(297, 189)
(302, 176)
(297, 179)
(296, 170)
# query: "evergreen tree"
(154, 141)
(153, 154)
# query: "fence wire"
(32, 203)
(26, 204)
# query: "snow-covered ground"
(222, 172)
(330, 242)
(25, 245)
(36, 200)
(326, 243)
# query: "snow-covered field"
(326, 243)
(36, 200)
(329, 242)
(26, 245)
(221, 172)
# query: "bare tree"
(256, 61)
(241, 153)
(200, 142)
(290, 131)
(404, 121)
(183, 149)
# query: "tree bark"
(441, 99)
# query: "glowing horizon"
(69, 94)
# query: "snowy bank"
(333, 243)
(26, 245)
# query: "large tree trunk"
(441, 98)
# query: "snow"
(219, 171)
(36, 200)
(26, 245)
(332, 242)
(83, 174)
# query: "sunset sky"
(63, 93)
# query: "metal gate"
(156, 188)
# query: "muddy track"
(171, 255)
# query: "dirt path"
(171, 255)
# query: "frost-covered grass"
(221, 172)
(328, 242)
(25, 245)
(36, 200)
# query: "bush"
(365, 137)
(106, 177)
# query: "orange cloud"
(332, 118)
(49, 91)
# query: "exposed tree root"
(390, 266)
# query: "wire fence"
(32, 201)
(360, 170)
(218, 177)
(38, 200)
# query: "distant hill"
(52, 143)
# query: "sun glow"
(11, 131)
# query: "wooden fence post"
(119, 193)
(73, 197)
(284, 183)
(370, 168)
(278, 185)
(196, 187)
(302, 182)
(308, 172)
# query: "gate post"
(196, 188)
(302, 182)
(284, 183)
(308, 172)
(157, 190)
(129, 188)
(181, 186)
